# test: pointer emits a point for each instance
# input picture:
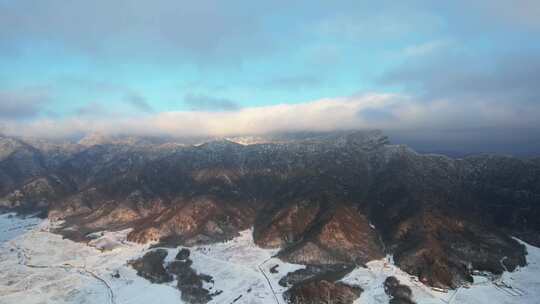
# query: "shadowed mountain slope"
(323, 199)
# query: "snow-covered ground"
(241, 270)
(521, 286)
(37, 266)
(12, 226)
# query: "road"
(23, 258)
(268, 280)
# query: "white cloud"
(391, 112)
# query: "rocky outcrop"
(319, 284)
(200, 220)
(443, 251)
(286, 226)
(322, 292)
(341, 236)
(316, 273)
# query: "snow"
(520, 286)
(12, 226)
(238, 266)
(37, 266)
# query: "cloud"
(463, 78)
(215, 31)
(208, 30)
(463, 68)
(484, 102)
(376, 114)
(201, 102)
(138, 102)
(327, 114)
(519, 13)
(396, 114)
(22, 104)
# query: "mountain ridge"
(326, 198)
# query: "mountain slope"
(332, 198)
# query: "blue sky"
(87, 61)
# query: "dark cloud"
(492, 101)
(453, 142)
(201, 102)
(139, 102)
(464, 78)
(376, 115)
(22, 104)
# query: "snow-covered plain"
(37, 266)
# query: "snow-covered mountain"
(328, 208)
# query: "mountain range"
(334, 200)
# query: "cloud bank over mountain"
(403, 117)
(458, 72)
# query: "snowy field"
(12, 226)
(37, 266)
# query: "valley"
(39, 267)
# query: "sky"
(460, 76)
